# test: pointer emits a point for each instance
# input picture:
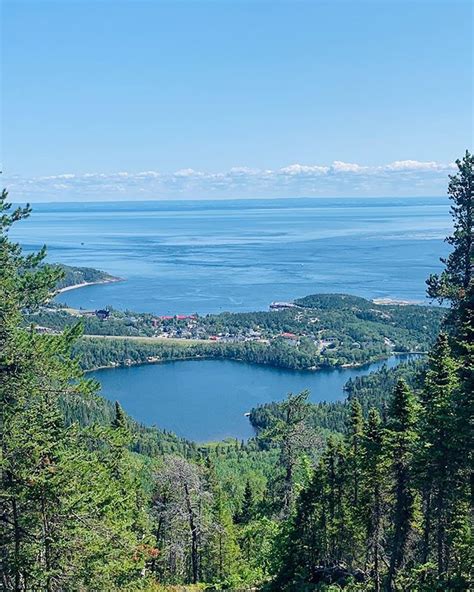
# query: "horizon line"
(223, 199)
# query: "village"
(108, 321)
(332, 328)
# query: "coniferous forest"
(373, 494)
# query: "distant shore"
(85, 284)
(396, 301)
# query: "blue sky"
(195, 99)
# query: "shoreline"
(381, 301)
(184, 342)
(396, 302)
(85, 284)
(310, 370)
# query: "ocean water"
(206, 400)
(239, 255)
(209, 256)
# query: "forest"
(370, 494)
(97, 353)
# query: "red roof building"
(289, 336)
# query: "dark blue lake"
(239, 255)
(206, 399)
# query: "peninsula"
(317, 331)
(81, 277)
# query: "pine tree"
(355, 432)
(294, 436)
(454, 282)
(437, 456)
(60, 528)
(403, 439)
(221, 555)
(304, 540)
(374, 497)
(248, 506)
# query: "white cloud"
(242, 170)
(188, 173)
(56, 177)
(415, 165)
(347, 167)
(401, 177)
(302, 169)
(148, 175)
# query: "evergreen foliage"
(408, 473)
(370, 494)
(67, 522)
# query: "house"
(102, 314)
(289, 336)
(45, 330)
(282, 305)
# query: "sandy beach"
(84, 284)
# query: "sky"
(217, 99)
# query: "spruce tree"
(221, 555)
(120, 421)
(355, 432)
(437, 456)
(456, 285)
(303, 543)
(353, 478)
(375, 468)
(248, 506)
(338, 523)
(61, 530)
(403, 439)
(294, 437)
(455, 280)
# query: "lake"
(206, 400)
(239, 255)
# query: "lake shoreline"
(311, 370)
(206, 400)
